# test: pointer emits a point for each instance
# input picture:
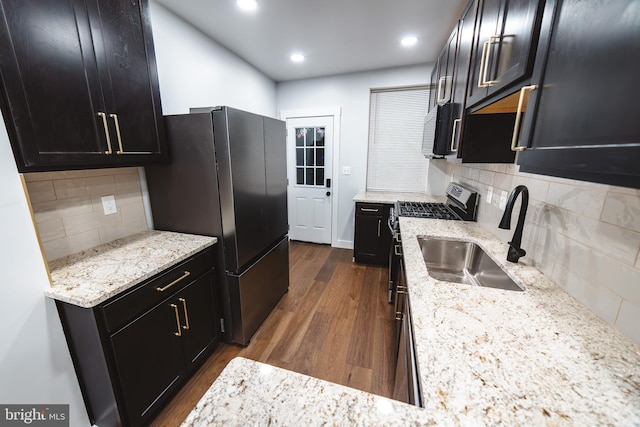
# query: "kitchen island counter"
(92, 276)
(485, 357)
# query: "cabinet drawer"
(377, 209)
(133, 302)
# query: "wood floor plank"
(361, 348)
(333, 324)
(306, 357)
(286, 348)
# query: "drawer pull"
(115, 120)
(397, 250)
(184, 276)
(379, 221)
(106, 132)
(179, 333)
(368, 210)
(399, 316)
(186, 315)
(516, 126)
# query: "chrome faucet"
(515, 251)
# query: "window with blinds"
(396, 121)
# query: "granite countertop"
(392, 197)
(485, 357)
(92, 276)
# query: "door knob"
(328, 193)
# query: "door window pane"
(320, 156)
(310, 160)
(310, 180)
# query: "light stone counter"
(90, 277)
(485, 357)
(392, 197)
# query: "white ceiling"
(336, 36)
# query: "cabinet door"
(582, 120)
(511, 54)
(52, 94)
(466, 28)
(434, 86)
(486, 27)
(198, 319)
(444, 87)
(504, 46)
(148, 360)
(126, 62)
(368, 242)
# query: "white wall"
(195, 71)
(350, 92)
(35, 365)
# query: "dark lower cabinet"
(131, 357)
(372, 235)
(582, 117)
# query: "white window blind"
(396, 120)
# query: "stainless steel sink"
(463, 262)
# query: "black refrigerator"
(228, 178)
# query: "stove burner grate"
(426, 210)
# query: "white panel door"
(309, 149)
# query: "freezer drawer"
(256, 291)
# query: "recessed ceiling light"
(409, 41)
(297, 57)
(247, 4)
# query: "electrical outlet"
(109, 205)
(489, 194)
(503, 200)
(346, 170)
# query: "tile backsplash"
(585, 236)
(68, 210)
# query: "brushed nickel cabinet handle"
(186, 314)
(439, 99)
(453, 136)
(397, 250)
(481, 71)
(115, 120)
(399, 315)
(487, 58)
(106, 132)
(516, 126)
(379, 221)
(184, 276)
(179, 333)
(368, 210)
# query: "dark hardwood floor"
(334, 324)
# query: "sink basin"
(463, 262)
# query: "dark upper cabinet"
(442, 74)
(581, 120)
(80, 86)
(466, 28)
(503, 47)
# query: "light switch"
(489, 194)
(109, 205)
(346, 170)
(503, 200)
